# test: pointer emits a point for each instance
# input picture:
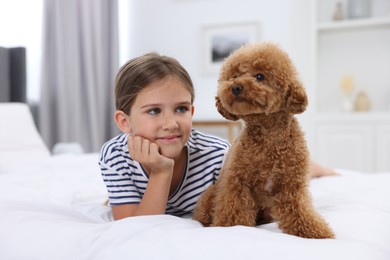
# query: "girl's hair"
(139, 72)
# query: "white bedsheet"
(52, 207)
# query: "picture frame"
(218, 41)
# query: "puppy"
(265, 174)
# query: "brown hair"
(139, 72)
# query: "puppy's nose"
(236, 90)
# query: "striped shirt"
(126, 180)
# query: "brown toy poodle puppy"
(265, 174)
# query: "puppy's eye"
(259, 77)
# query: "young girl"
(159, 164)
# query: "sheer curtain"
(80, 60)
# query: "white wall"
(174, 28)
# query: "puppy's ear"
(296, 101)
(223, 111)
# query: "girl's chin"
(170, 153)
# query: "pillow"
(19, 137)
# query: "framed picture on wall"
(218, 41)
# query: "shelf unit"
(351, 47)
(359, 48)
(351, 24)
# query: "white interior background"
(171, 27)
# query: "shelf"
(351, 24)
(344, 117)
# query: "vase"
(362, 102)
(359, 8)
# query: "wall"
(174, 27)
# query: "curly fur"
(265, 174)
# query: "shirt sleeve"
(117, 177)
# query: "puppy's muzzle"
(236, 90)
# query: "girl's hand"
(147, 153)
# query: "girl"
(159, 164)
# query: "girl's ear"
(192, 110)
(122, 121)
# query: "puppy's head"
(259, 78)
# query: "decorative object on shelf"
(338, 12)
(347, 87)
(362, 102)
(359, 8)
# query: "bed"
(52, 207)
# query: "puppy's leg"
(205, 206)
(263, 216)
(296, 216)
(234, 204)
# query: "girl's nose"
(170, 122)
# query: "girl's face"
(162, 112)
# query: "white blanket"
(52, 207)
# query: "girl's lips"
(169, 138)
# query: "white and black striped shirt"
(126, 180)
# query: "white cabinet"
(358, 142)
(383, 147)
(345, 146)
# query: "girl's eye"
(154, 111)
(182, 109)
